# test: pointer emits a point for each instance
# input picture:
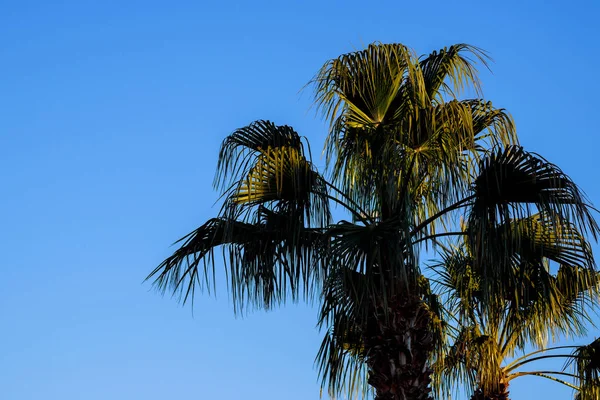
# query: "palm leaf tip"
(182, 271)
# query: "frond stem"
(439, 235)
(517, 365)
(539, 351)
(544, 374)
(459, 204)
(346, 206)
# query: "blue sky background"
(111, 114)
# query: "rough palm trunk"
(398, 351)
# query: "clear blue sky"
(111, 114)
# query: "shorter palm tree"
(586, 362)
(542, 306)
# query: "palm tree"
(586, 360)
(405, 155)
(486, 340)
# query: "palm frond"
(512, 258)
(181, 271)
(586, 362)
(343, 372)
(492, 124)
(241, 147)
(457, 366)
(362, 85)
(267, 167)
(451, 69)
(511, 180)
(280, 173)
(342, 354)
(267, 260)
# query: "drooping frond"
(512, 179)
(343, 372)
(444, 148)
(276, 206)
(267, 260)
(266, 165)
(474, 360)
(456, 367)
(519, 250)
(342, 354)
(241, 147)
(182, 271)
(457, 281)
(586, 361)
(451, 69)
(541, 236)
(494, 125)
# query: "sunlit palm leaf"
(451, 69)
(280, 173)
(269, 167)
(362, 85)
(240, 148)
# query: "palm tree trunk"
(398, 348)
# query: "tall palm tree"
(486, 341)
(405, 155)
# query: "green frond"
(266, 260)
(458, 282)
(512, 259)
(439, 317)
(342, 354)
(280, 173)
(457, 366)
(240, 148)
(362, 85)
(490, 124)
(182, 271)
(268, 168)
(543, 236)
(452, 69)
(445, 145)
(342, 371)
(512, 180)
(586, 362)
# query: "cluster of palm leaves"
(416, 167)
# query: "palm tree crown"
(407, 156)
